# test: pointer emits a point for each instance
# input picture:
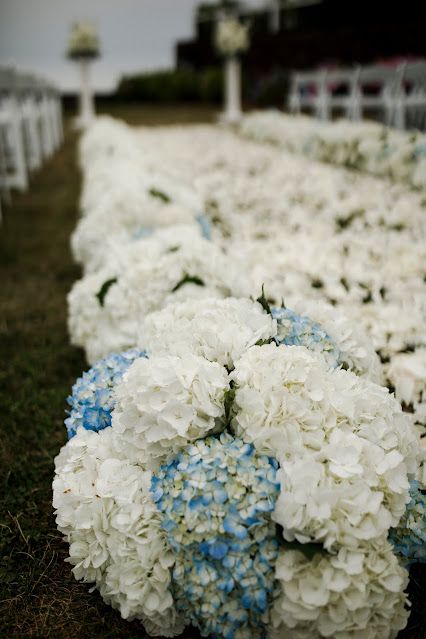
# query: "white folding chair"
(307, 91)
(55, 106)
(47, 133)
(410, 107)
(377, 90)
(11, 131)
(27, 85)
(340, 86)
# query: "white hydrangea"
(141, 282)
(344, 446)
(112, 225)
(220, 330)
(121, 250)
(354, 593)
(355, 347)
(103, 507)
(106, 138)
(165, 402)
(407, 374)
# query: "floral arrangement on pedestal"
(83, 41)
(231, 40)
(241, 472)
(83, 47)
(232, 37)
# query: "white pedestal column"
(86, 105)
(232, 111)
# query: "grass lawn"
(38, 595)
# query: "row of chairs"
(398, 94)
(30, 127)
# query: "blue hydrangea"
(216, 498)
(409, 537)
(202, 221)
(92, 395)
(206, 229)
(300, 330)
(142, 232)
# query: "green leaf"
(229, 401)
(104, 290)
(160, 195)
(345, 222)
(262, 342)
(317, 283)
(188, 279)
(263, 301)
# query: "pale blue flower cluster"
(409, 537)
(216, 497)
(143, 232)
(206, 229)
(92, 399)
(202, 221)
(300, 330)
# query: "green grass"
(38, 595)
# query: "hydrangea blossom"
(353, 593)
(346, 453)
(219, 330)
(143, 281)
(103, 507)
(344, 446)
(92, 399)
(409, 537)
(216, 498)
(355, 349)
(163, 403)
(300, 330)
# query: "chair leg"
(19, 179)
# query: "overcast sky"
(135, 35)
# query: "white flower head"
(219, 330)
(106, 308)
(103, 507)
(356, 592)
(166, 404)
(345, 448)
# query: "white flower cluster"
(370, 147)
(219, 330)
(231, 37)
(344, 448)
(330, 243)
(355, 593)
(83, 41)
(166, 402)
(105, 511)
(313, 232)
(138, 241)
(107, 307)
(125, 194)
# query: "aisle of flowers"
(366, 145)
(235, 460)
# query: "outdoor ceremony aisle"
(39, 597)
(260, 203)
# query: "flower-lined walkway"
(38, 594)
